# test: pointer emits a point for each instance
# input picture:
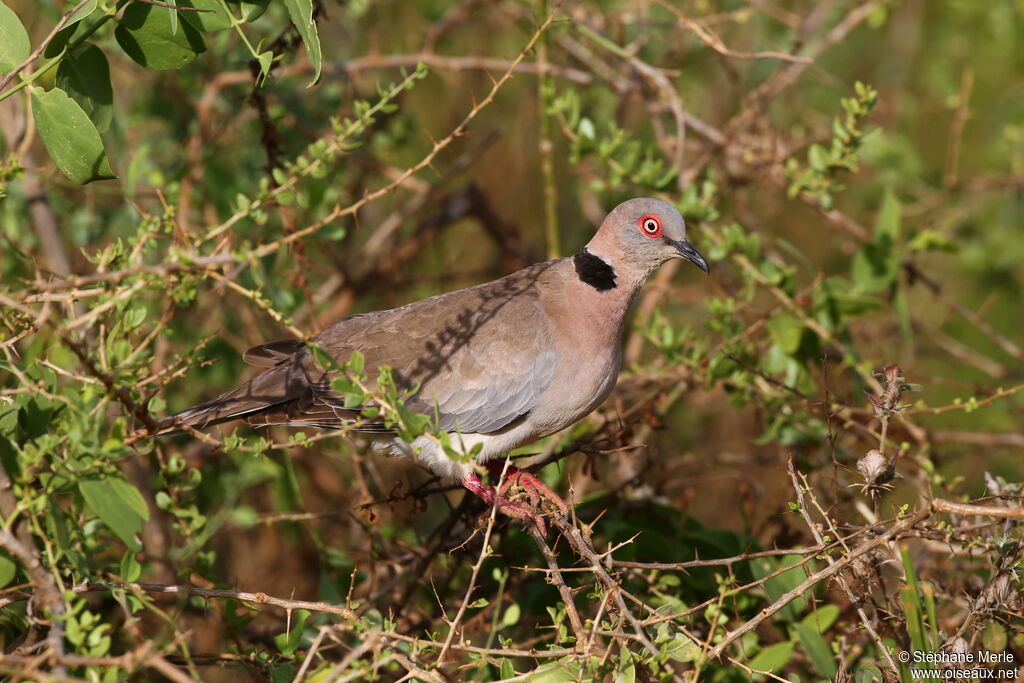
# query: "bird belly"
(583, 387)
(580, 388)
(425, 451)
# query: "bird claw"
(534, 489)
(520, 511)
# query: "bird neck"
(605, 276)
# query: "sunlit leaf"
(118, 504)
(70, 137)
(14, 44)
(773, 657)
(301, 13)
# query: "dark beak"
(687, 251)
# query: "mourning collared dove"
(500, 364)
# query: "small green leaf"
(133, 317)
(60, 41)
(875, 267)
(254, 9)
(289, 642)
(868, 673)
(130, 569)
(266, 60)
(993, 637)
(816, 157)
(70, 137)
(785, 330)
(511, 615)
(213, 19)
(357, 362)
(83, 11)
(8, 569)
(85, 77)
(301, 13)
(822, 618)
(145, 34)
(14, 44)
(773, 657)
(887, 225)
(118, 504)
(930, 240)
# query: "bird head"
(641, 234)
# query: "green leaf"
(785, 330)
(118, 504)
(820, 654)
(567, 671)
(868, 673)
(930, 240)
(875, 267)
(782, 583)
(822, 618)
(887, 225)
(625, 669)
(145, 34)
(70, 137)
(83, 11)
(993, 637)
(130, 569)
(85, 77)
(289, 643)
(301, 13)
(773, 657)
(60, 41)
(266, 60)
(511, 615)
(14, 45)
(215, 19)
(8, 569)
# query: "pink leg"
(520, 511)
(535, 489)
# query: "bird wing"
(481, 357)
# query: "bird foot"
(534, 488)
(525, 513)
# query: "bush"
(810, 464)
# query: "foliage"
(810, 464)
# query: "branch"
(817, 577)
(253, 599)
(940, 505)
(42, 46)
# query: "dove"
(497, 366)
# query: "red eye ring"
(650, 225)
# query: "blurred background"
(852, 170)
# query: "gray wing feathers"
(493, 384)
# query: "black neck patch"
(594, 271)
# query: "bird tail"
(264, 393)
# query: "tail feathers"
(280, 385)
(280, 396)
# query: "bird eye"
(650, 225)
